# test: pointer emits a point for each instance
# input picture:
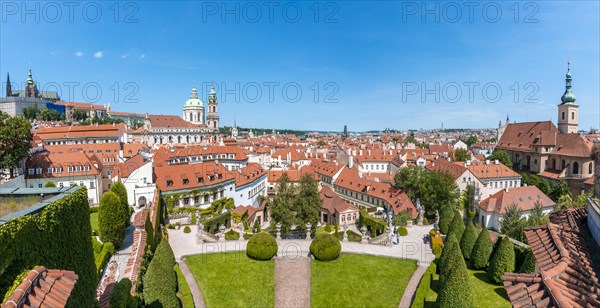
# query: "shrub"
(328, 228)
(446, 217)
(261, 246)
(424, 285)
(455, 287)
(119, 189)
(187, 229)
(110, 219)
(468, 239)
(482, 250)
(353, 236)
(96, 245)
(425, 221)
(120, 297)
(325, 247)
(170, 226)
(432, 232)
(160, 280)
(448, 259)
(401, 218)
(457, 227)
(437, 243)
(502, 261)
(528, 265)
(375, 225)
(256, 227)
(232, 235)
(437, 251)
(108, 249)
(94, 209)
(49, 184)
(402, 231)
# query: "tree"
(455, 287)
(401, 219)
(111, 225)
(503, 157)
(31, 113)
(435, 189)
(537, 216)
(49, 184)
(457, 226)
(281, 205)
(120, 297)
(15, 141)
(565, 202)
(513, 223)
(534, 180)
(79, 115)
(559, 189)
(446, 264)
(446, 217)
(160, 280)
(528, 265)
(462, 155)
(119, 189)
(307, 203)
(468, 239)
(471, 140)
(503, 260)
(482, 250)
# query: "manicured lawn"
(184, 293)
(486, 293)
(360, 281)
(234, 280)
(94, 221)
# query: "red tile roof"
(483, 170)
(334, 203)
(566, 276)
(443, 165)
(525, 197)
(210, 173)
(169, 121)
(43, 288)
(76, 132)
(47, 160)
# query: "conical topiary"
(503, 260)
(457, 227)
(467, 241)
(480, 256)
(455, 287)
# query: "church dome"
(194, 101)
(568, 97)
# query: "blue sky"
(372, 62)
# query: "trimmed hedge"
(528, 265)
(446, 217)
(455, 284)
(375, 225)
(111, 224)
(325, 247)
(261, 246)
(480, 256)
(468, 239)
(437, 243)
(187, 229)
(402, 231)
(457, 227)
(502, 261)
(231, 235)
(160, 280)
(119, 189)
(448, 259)
(424, 286)
(108, 249)
(120, 297)
(57, 237)
(96, 245)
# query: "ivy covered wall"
(59, 238)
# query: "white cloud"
(79, 54)
(124, 56)
(142, 56)
(98, 54)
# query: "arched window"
(349, 217)
(575, 168)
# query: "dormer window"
(78, 169)
(31, 171)
(186, 181)
(86, 168)
(59, 170)
(50, 170)
(169, 183)
(70, 169)
(200, 180)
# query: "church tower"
(212, 119)
(568, 111)
(193, 110)
(8, 86)
(30, 87)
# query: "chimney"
(351, 162)
(468, 162)
(487, 161)
(360, 152)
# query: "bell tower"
(212, 118)
(568, 111)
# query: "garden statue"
(241, 227)
(345, 238)
(363, 238)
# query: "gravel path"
(411, 288)
(292, 282)
(193, 284)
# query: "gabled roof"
(334, 203)
(443, 165)
(525, 197)
(169, 121)
(566, 277)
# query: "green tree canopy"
(482, 250)
(49, 184)
(503, 260)
(446, 217)
(15, 141)
(111, 224)
(119, 189)
(457, 226)
(537, 216)
(513, 223)
(462, 155)
(307, 203)
(471, 140)
(501, 156)
(435, 189)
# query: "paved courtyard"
(411, 246)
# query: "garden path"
(193, 284)
(292, 282)
(412, 286)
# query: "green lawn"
(184, 293)
(234, 280)
(94, 221)
(360, 281)
(486, 293)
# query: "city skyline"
(377, 72)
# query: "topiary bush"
(446, 217)
(160, 280)
(502, 261)
(232, 235)
(457, 227)
(448, 258)
(120, 297)
(402, 231)
(424, 286)
(325, 247)
(108, 249)
(119, 189)
(261, 246)
(111, 224)
(328, 228)
(455, 284)
(482, 250)
(187, 229)
(528, 265)
(468, 240)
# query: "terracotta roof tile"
(43, 288)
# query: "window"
(81, 183)
(40, 185)
(92, 184)
(58, 170)
(590, 168)
(78, 168)
(186, 181)
(60, 184)
(31, 171)
(86, 168)
(572, 115)
(50, 170)
(38, 171)
(575, 168)
(169, 183)
(563, 115)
